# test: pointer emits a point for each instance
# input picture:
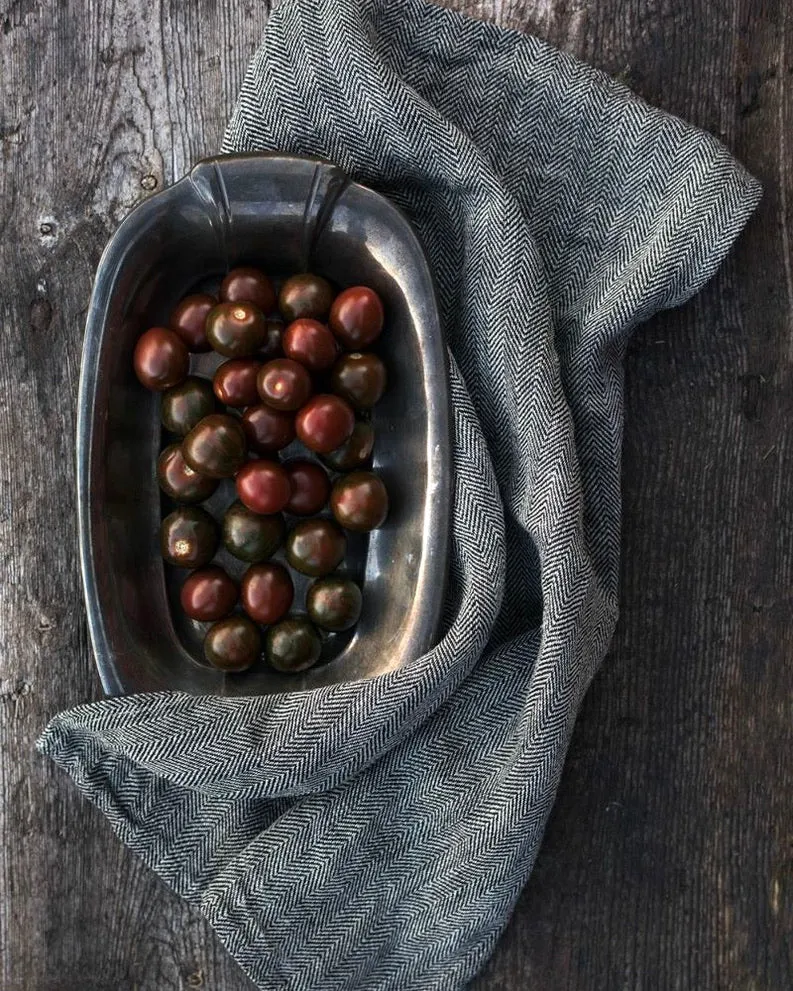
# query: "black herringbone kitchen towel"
(376, 835)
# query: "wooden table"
(667, 862)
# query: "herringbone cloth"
(375, 836)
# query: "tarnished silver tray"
(285, 214)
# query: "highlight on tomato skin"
(359, 501)
(188, 537)
(359, 378)
(246, 284)
(310, 343)
(356, 317)
(184, 405)
(178, 480)
(316, 547)
(234, 382)
(236, 330)
(216, 446)
(189, 320)
(334, 603)
(263, 486)
(324, 423)
(284, 384)
(355, 452)
(160, 359)
(266, 592)
(305, 295)
(208, 594)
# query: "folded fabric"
(376, 835)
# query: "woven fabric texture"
(375, 836)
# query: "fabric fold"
(375, 836)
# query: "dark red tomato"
(235, 382)
(216, 446)
(355, 452)
(268, 430)
(248, 285)
(360, 378)
(208, 594)
(359, 501)
(233, 644)
(305, 295)
(188, 537)
(324, 423)
(186, 404)
(292, 645)
(178, 480)
(316, 547)
(263, 486)
(284, 384)
(266, 592)
(272, 343)
(356, 317)
(236, 330)
(189, 320)
(250, 536)
(161, 360)
(310, 487)
(334, 603)
(310, 343)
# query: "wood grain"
(668, 860)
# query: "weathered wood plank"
(101, 103)
(668, 859)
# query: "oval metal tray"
(285, 214)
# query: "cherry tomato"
(248, 285)
(284, 384)
(235, 382)
(233, 644)
(305, 295)
(178, 480)
(316, 547)
(188, 537)
(310, 343)
(292, 645)
(266, 592)
(208, 594)
(359, 378)
(310, 487)
(324, 423)
(359, 501)
(215, 446)
(236, 330)
(334, 603)
(355, 452)
(185, 404)
(161, 360)
(250, 536)
(356, 317)
(268, 430)
(189, 320)
(263, 486)
(272, 342)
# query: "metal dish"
(286, 214)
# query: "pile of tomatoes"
(297, 372)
